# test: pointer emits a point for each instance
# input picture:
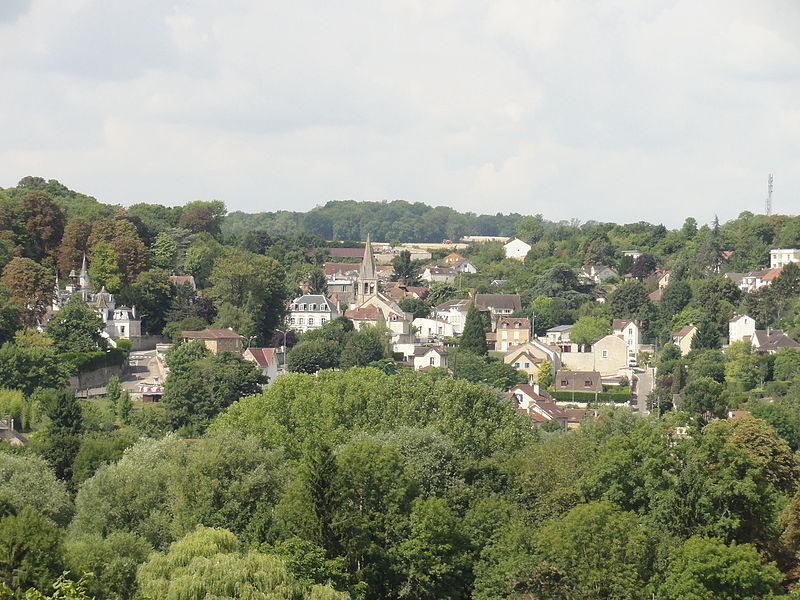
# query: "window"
(516, 365)
(304, 306)
(310, 320)
(291, 321)
(527, 365)
(322, 320)
(122, 330)
(301, 321)
(564, 383)
(587, 383)
(516, 335)
(313, 307)
(432, 358)
(605, 353)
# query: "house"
(683, 338)
(335, 270)
(512, 332)
(347, 253)
(530, 355)
(454, 312)
(754, 280)
(499, 305)
(578, 381)
(395, 291)
(559, 336)
(608, 355)
(216, 340)
(431, 329)
(517, 249)
(430, 357)
(780, 257)
(453, 259)
(526, 394)
(741, 327)
(663, 278)
(576, 416)
(269, 361)
(311, 311)
(597, 273)
(770, 341)
(655, 296)
(634, 254)
(630, 332)
(438, 274)
(179, 280)
(123, 324)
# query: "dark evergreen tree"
(707, 337)
(474, 337)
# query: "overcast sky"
(618, 110)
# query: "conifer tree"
(474, 337)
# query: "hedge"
(83, 362)
(615, 397)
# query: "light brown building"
(512, 332)
(216, 340)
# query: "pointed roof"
(84, 268)
(367, 270)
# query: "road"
(142, 368)
(645, 383)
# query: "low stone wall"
(147, 342)
(97, 378)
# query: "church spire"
(83, 281)
(367, 270)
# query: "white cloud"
(592, 110)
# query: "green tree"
(602, 549)
(787, 364)
(30, 550)
(317, 283)
(404, 268)
(30, 286)
(434, 556)
(164, 252)
(630, 300)
(544, 376)
(703, 394)
(587, 330)
(418, 307)
(709, 569)
(104, 269)
(26, 368)
(210, 563)
(675, 298)
(73, 245)
(312, 356)
(76, 328)
(196, 393)
(153, 293)
(367, 345)
(200, 258)
(27, 480)
(707, 337)
(473, 339)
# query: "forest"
(355, 477)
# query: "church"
(370, 307)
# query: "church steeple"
(83, 280)
(367, 284)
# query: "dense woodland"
(366, 480)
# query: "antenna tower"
(769, 195)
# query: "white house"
(629, 331)
(454, 312)
(741, 327)
(780, 257)
(438, 274)
(311, 311)
(269, 361)
(516, 248)
(430, 356)
(428, 329)
(634, 254)
(598, 273)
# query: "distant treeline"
(384, 221)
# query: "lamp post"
(249, 341)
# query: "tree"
(27, 480)
(473, 339)
(253, 282)
(76, 327)
(27, 368)
(153, 293)
(787, 364)
(544, 376)
(30, 550)
(196, 393)
(312, 356)
(707, 337)
(587, 330)
(676, 296)
(434, 555)
(416, 306)
(644, 266)
(602, 549)
(365, 346)
(73, 245)
(164, 252)
(210, 563)
(30, 286)
(62, 440)
(708, 569)
(404, 268)
(124, 239)
(200, 258)
(104, 269)
(629, 300)
(317, 283)
(703, 395)
(44, 222)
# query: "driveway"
(142, 369)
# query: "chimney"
(536, 389)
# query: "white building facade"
(311, 311)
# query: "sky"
(611, 110)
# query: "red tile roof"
(263, 356)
